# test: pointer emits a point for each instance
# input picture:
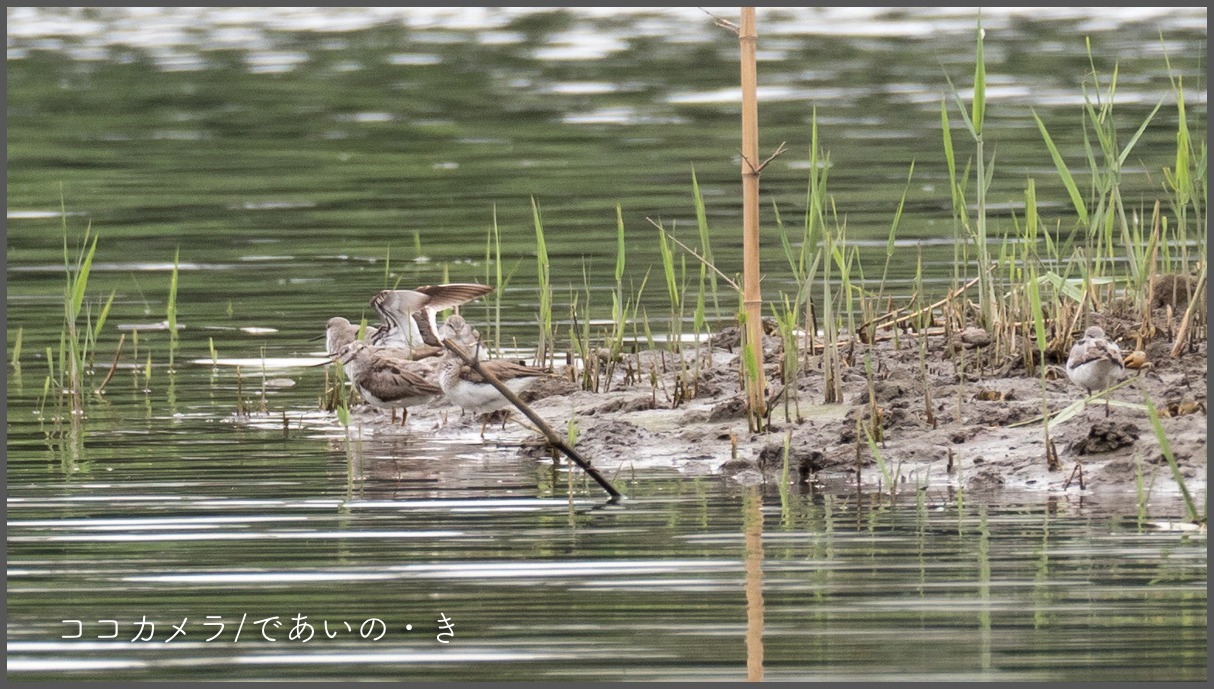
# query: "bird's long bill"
(318, 337)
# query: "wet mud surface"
(946, 414)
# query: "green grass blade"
(1067, 180)
(105, 312)
(705, 244)
(1035, 305)
(979, 84)
(672, 284)
(951, 160)
(16, 351)
(171, 309)
(1166, 448)
(543, 276)
(1125, 152)
(81, 280)
(619, 242)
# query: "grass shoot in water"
(544, 285)
(171, 311)
(1166, 447)
(15, 358)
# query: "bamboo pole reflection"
(753, 526)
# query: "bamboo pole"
(752, 300)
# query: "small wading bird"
(463, 386)
(339, 332)
(1095, 362)
(409, 315)
(384, 380)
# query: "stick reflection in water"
(753, 525)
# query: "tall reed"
(545, 348)
(705, 253)
(78, 339)
(673, 291)
(1187, 180)
(15, 352)
(171, 310)
(621, 315)
(493, 276)
(974, 119)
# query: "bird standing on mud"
(1095, 362)
(468, 389)
(384, 380)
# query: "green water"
(299, 170)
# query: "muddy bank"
(950, 418)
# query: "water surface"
(297, 161)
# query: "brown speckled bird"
(385, 380)
(1095, 362)
(463, 386)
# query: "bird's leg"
(393, 419)
(404, 416)
(531, 428)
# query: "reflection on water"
(685, 579)
(303, 159)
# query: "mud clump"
(730, 338)
(613, 435)
(1122, 470)
(1107, 436)
(729, 409)
(548, 386)
(1002, 414)
(986, 480)
(803, 462)
(1172, 289)
(893, 416)
(623, 405)
(887, 391)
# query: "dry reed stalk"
(1152, 257)
(1187, 319)
(927, 309)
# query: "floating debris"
(162, 325)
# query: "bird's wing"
(452, 294)
(505, 370)
(426, 327)
(393, 380)
(1088, 351)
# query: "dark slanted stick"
(553, 439)
(113, 366)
